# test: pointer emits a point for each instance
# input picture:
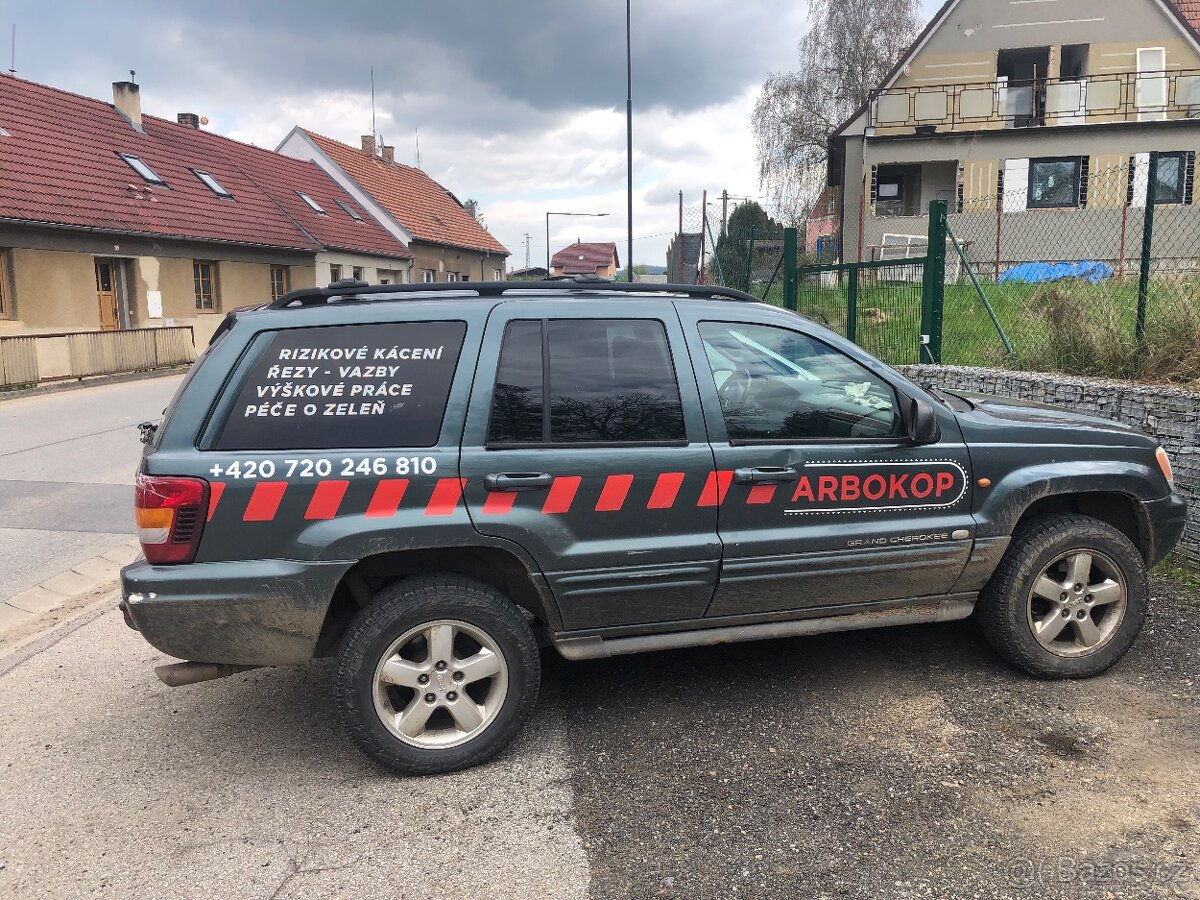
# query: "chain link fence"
(1082, 272)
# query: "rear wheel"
(437, 674)
(1068, 599)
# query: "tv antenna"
(527, 237)
(374, 130)
(417, 136)
(12, 65)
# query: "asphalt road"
(67, 461)
(898, 763)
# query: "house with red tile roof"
(111, 219)
(586, 259)
(447, 241)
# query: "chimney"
(127, 99)
(368, 144)
(389, 152)
(191, 120)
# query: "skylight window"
(316, 207)
(350, 211)
(213, 185)
(141, 168)
(3, 133)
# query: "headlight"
(1164, 464)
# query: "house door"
(106, 293)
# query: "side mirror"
(921, 423)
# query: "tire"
(387, 674)
(1035, 592)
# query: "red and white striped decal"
(561, 494)
(761, 493)
(716, 488)
(386, 499)
(616, 489)
(215, 490)
(264, 501)
(326, 498)
(499, 503)
(666, 490)
(446, 494)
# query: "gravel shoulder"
(895, 763)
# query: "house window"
(213, 185)
(141, 168)
(385, 281)
(350, 211)
(279, 281)
(357, 273)
(1054, 183)
(313, 204)
(1174, 182)
(497, 275)
(452, 276)
(427, 276)
(335, 272)
(204, 274)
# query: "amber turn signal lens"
(984, 482)
(1164, 465)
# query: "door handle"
(765, 475)
(514, 482)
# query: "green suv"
(429, 481)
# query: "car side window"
(585, 381)
(776, 384)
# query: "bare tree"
(849, 48)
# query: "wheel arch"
(502, 568)
(1122, 511)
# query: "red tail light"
(170, 513)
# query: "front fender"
(1000, 506)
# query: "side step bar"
(600, 648)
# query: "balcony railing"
(1117, 97)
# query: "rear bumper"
(253, 612)
(1167, 519)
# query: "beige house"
(1022, 107)
(112, 220)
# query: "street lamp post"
(548, 215)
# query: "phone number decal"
(325, 467)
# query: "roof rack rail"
(349, 290)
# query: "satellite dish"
(204, 120)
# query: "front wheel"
(437, 674)
(1068, 599)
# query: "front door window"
(777, 385)
(106, 294)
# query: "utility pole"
(724, 211)
(527, 237)
(629, 133)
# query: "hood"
(1041, 422)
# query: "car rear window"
(346, 386)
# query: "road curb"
(25, 616)
(57, 387)
(25, 648)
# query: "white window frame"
(427, 276)
(1150, 90)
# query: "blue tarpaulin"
(1040, 272)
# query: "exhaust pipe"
(179, 674)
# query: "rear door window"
(585, 381)
(346, 386)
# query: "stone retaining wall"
(1169, 414)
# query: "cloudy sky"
(520, 105)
